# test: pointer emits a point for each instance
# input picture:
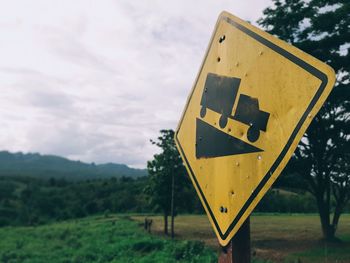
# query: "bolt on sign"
(251, 103)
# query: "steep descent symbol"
(212, 142)
(219, 95)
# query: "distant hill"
(51, 166)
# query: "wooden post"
(172, 205)
(238, 250)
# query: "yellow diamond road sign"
(252, 101)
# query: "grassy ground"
(277, 238)
(96, 239)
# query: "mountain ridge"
(53, 166)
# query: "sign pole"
(238, 250)
(241, 252)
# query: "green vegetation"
(95, 239)
(283, 201)
(28, 201)
(50, 166)
(328, 253)
(32, 201)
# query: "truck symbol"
(219, 95)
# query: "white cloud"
(95, 80)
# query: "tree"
(321, 28)
(167, 178)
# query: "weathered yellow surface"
(276, 73)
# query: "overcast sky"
(96, 80)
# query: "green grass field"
(96, 239)
(275, 238)
(121, 238)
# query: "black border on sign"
(301, 63)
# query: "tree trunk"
(336, 215)
(172, 226)
(341, 199)
(172, 206)
(327, 228)
(166, 224)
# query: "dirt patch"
(274, 237)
